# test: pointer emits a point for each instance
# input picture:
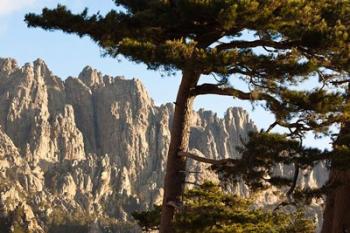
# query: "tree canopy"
(271, 45)
(291, 40)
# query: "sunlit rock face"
(97, 145)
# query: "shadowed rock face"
(97, 144)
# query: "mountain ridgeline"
(87, 151)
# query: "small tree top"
(208, 209)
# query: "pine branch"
(272, 126)
(226, 162)
(241, 44)
(339, 82)
(206, 89)
(294, 183)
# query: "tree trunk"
(174, 177)
(336, 217)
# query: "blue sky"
(66, 55)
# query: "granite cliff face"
(93, 145)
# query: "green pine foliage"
(263, 151)
(207, 209)
(148, 220)
(299, 36)
(289, 42)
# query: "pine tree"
(293, 40)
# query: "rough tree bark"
(174, 177)
(337, 212)
(336, 217)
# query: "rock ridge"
(95, 144)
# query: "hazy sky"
(66, 55)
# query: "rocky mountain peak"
(91, 77)
(40, 68)
(8, 65)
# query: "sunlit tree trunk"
(337, 212)
(174, 177)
